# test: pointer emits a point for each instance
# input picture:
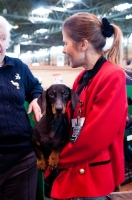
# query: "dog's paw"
(41, 164)
(52, 163)
(53, 160)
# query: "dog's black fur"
(51, 133)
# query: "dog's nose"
(59, 109)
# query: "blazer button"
(81, 171)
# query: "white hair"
(5, 24)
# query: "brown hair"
(87, 26)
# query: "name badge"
(77, 125)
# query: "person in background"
(92, 163)
(18, 170)
(128, 66)
(128, 130)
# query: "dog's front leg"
(53, 159)
(41, 162)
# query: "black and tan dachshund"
(51, 133)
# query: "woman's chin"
(73, 66)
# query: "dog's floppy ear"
(42, 102)
(74, 99)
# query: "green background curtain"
(40, 180)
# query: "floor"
(124, 194)
(126, 187)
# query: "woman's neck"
(91, 61)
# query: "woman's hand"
(33, 106)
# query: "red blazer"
(94, 164)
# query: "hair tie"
(107, 29)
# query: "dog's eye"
(65, 94)
(51, 94)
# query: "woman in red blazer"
(92, 163)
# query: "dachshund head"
(55, 98)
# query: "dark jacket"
(17, 84)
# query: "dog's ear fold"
(42, 102)
(74, 99)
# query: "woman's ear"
(84, 44)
